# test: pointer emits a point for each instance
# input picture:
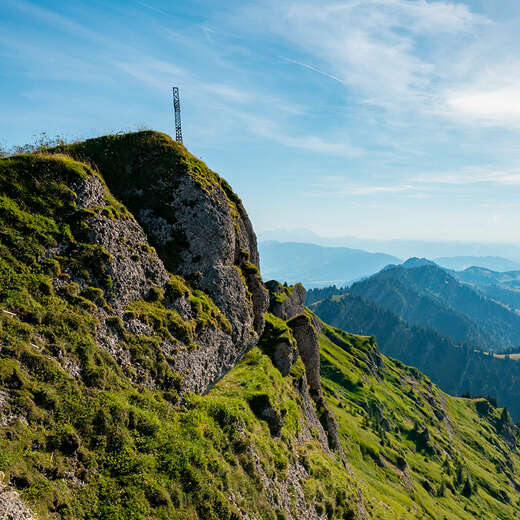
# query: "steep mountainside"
(418, 452)
(455, 369)
(102, 335)
(316, 295)
(428, 296)
(146, 372)
(317, 266)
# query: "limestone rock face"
(285, 302)
(306, 336)
(288, 303)
(219, 253)
(284, 356)
(130, 266)
(133, 266)
(307, 339)
(11, 507)
(200, 231)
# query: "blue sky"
(372, 118)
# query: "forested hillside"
(456, 369)
(428, 296)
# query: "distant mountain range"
(501, 287)
(322, 266)
(404, 248)
(317, 266)
(437, 320)
(454, 368)
(494, 263)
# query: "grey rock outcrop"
(131, 267)
(287, 496)
(284, 356)
(11, 507)
(288, 303)
(200, 231)
(279, 344)
(262, 407)
(219, 253)
(285, 301)
(307, 339)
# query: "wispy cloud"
(271, 129)
(372, 46)
(337, 187)
(315, 69)
(430, 59)
(58, 21)
(490, 175)
(372, 190)
(419, 186)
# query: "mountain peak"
(417, 262)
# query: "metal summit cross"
(177, 112)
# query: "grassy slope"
(100, 445)
(382, 415)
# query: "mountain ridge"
(403, 248)
(457, 370)
(428, 295)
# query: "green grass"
(86, 437)
(382, 413)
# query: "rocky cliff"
(131, 269)
(288, 303)
(201, 232)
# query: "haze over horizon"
(490, 254)
(385, 118)
(301, 234)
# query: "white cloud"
(418, 186)
(318, 144)
(315, 69)
(57, 21)
(421, 16)
(337, 187)
(491, 175)
(499, 106)
(371, 190)
(491, 98)
(271, 129)
(436, 59)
